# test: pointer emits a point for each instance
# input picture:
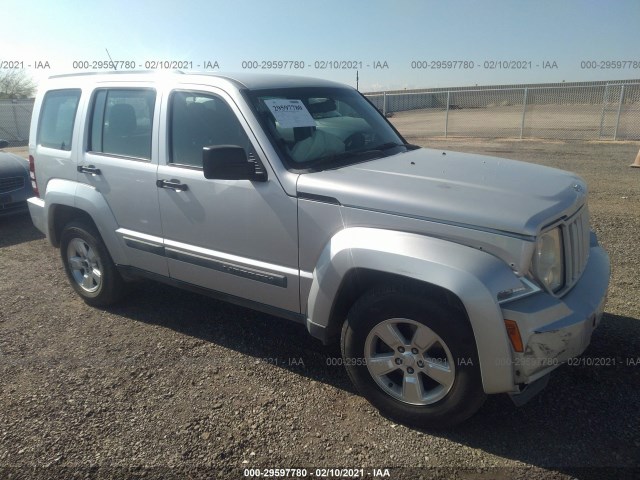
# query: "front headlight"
(548, 264)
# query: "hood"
(12, 165)
(484, 192)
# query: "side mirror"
(229, 162)
(4, 144)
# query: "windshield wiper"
(388, 145)
(370, 154)
(359, 155)
(378, 150)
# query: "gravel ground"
(173, 385)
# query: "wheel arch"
(469, 279)
(358, 281)
(61, 215)
(66, 200)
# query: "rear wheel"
(88, 265)
(412, 358)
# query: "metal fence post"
(384, 103)
(15, 121)
(446, 117)
(615, 133)
(604, 106)
(524, 109)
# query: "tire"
(88, 265)
(412, 358)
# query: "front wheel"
(412, 358)
(88, 265)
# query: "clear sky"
(487, 34)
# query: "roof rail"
(115, 72)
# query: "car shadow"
(16, 229)
(264, 337)
(585, 424)
(586, 417)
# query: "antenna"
(115, 67)
(357, 80)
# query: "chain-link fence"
(605, 111)
(15, 119)
(589, 112)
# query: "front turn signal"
(514, 335)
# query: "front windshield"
(318, 128)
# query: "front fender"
(83, 197)
(474, 276)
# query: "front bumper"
(553, 330)
(13, 208)
(14, 202)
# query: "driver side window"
(198, 120)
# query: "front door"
(237, 237)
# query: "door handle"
(172, 184)
(89, 169)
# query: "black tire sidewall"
(110, 287)
(466, 394)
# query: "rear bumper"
(36, 210)
(553, 330)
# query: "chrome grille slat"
(576, 250)
(11, 183)
(576, 246)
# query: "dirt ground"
(578, 122)
(173, 385)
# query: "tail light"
(32, 175)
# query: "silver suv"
(443, 276)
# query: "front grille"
(15, 207)
(11, 184)
(576, 246)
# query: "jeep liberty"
(443, 276)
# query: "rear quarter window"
(57, 117)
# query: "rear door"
(121, 161)
(238, 237)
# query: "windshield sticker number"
(290, 113)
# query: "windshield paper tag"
(290, 113)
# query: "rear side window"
(57, 117)
(122, 121)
